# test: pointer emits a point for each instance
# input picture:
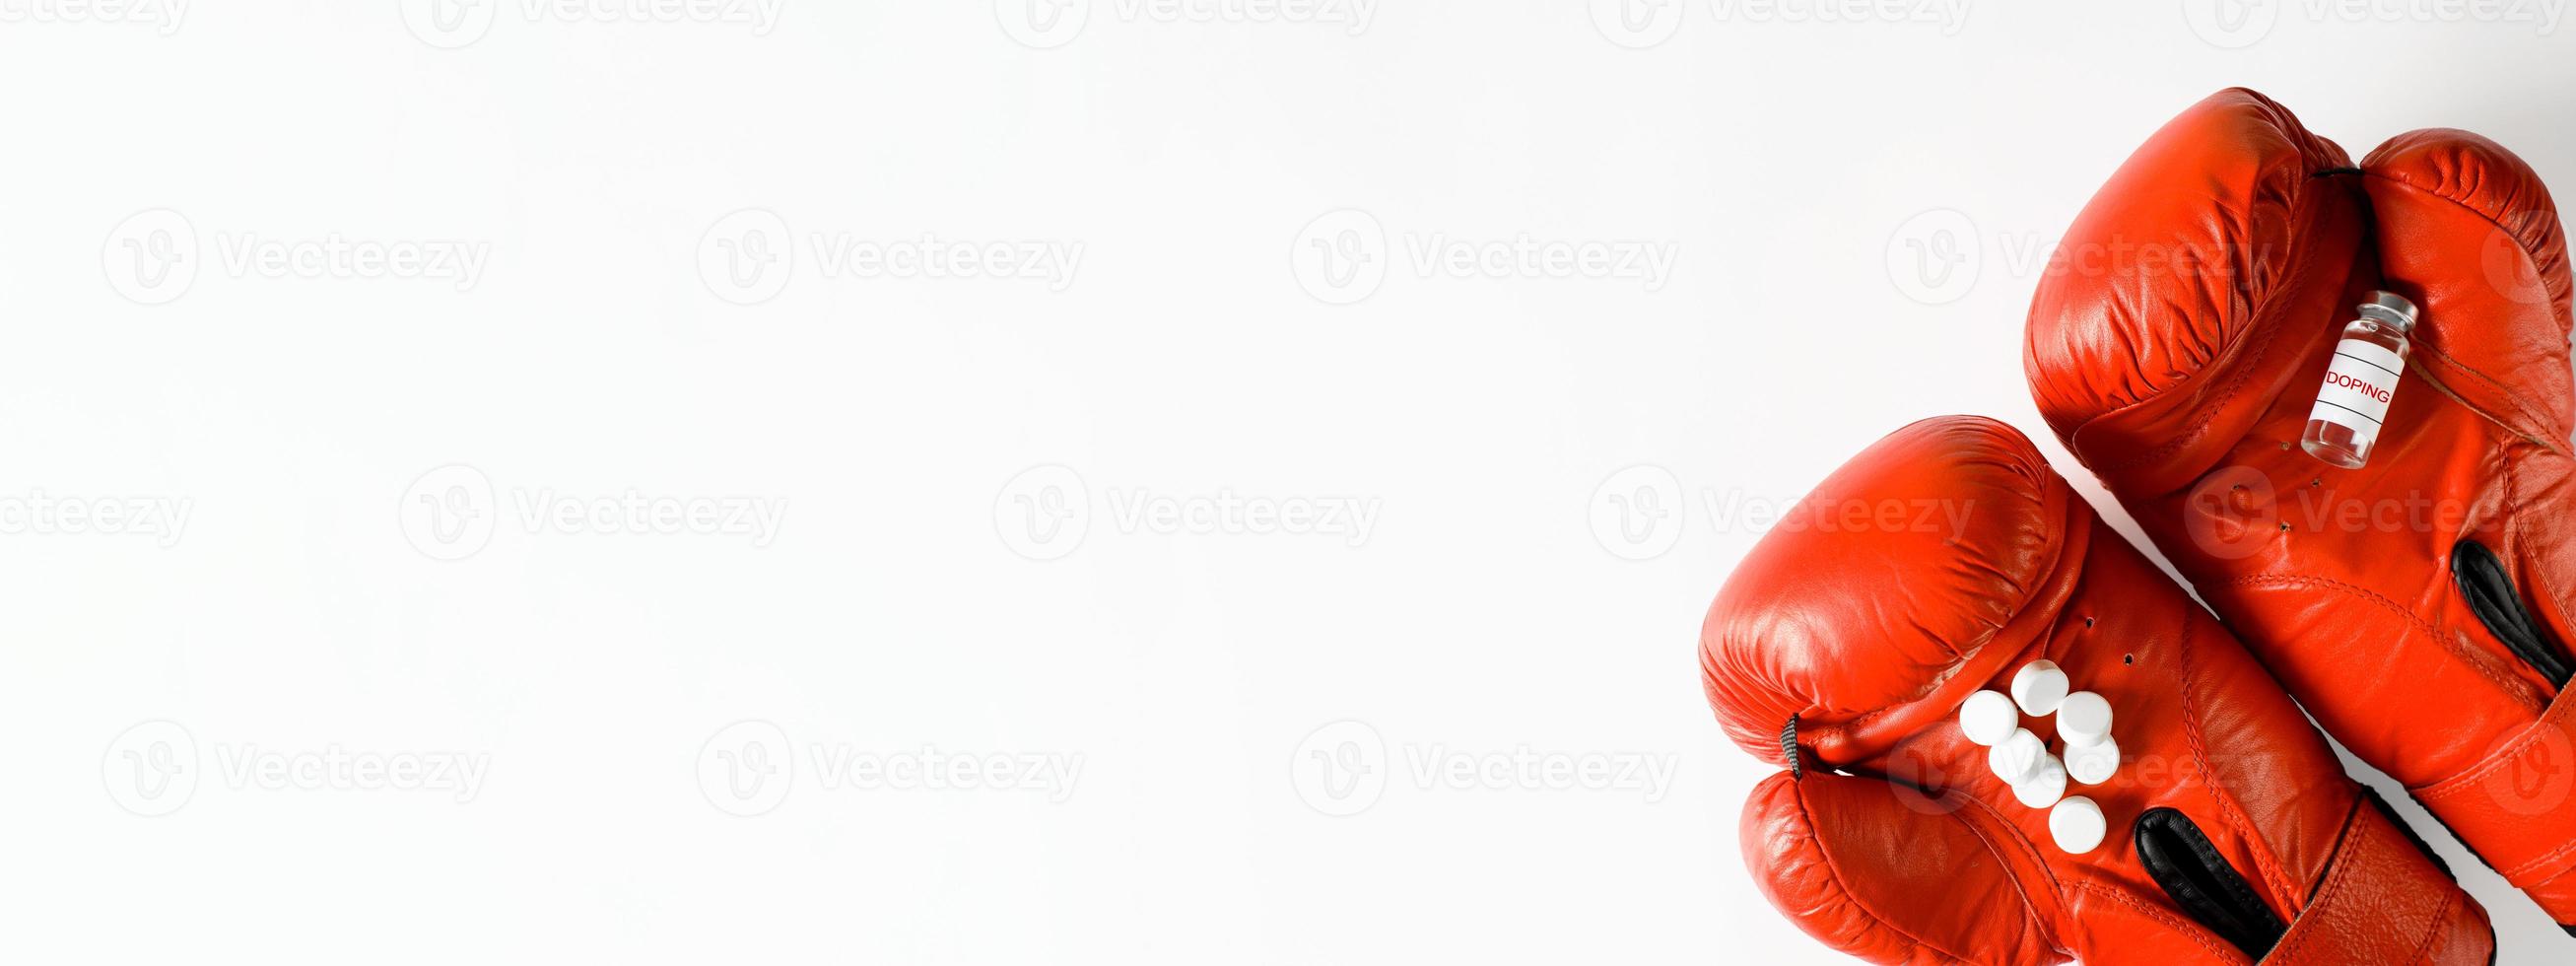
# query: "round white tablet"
(2043, 788)
(1988, 717)
(2017, 757)
(2038, 687)
(2083, 718)
(2093, 764)
(2077, 825)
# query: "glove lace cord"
(1789, 749)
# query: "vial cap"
(2391, 308)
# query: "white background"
(963, 473)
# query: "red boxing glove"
(2417, 606)
(1943, 561)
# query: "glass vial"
(2360, 382)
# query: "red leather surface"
(1871, 627)
(1853, 865)
(2185, 383)
(2382, 898)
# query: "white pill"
(2016, 758)
(2077, 825)
(2093, 764)
(2038, 687)
(2045, 786)
(1988, 717)
(2083, 718)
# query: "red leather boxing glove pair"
(2416, 606)
(1847, 655)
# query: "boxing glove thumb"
(1852, 861)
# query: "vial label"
(2358, 387)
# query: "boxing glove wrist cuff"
(2380, 893)
(2517, 807)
